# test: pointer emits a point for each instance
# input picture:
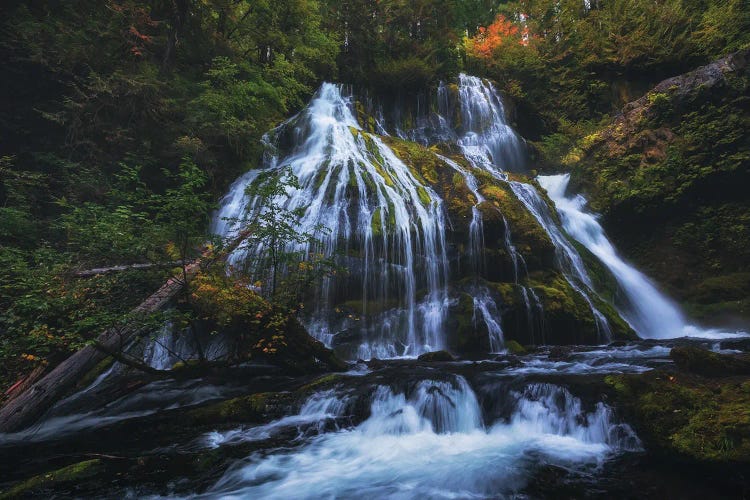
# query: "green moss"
(72, 473)
(508, 293)
(320, 382)
(251, 408)
(687, 416)
(377, 224)
(100, 368)
(604, 281)
(422, 162)
(514, 347)
(668, 187)
(384, 174)
(464, 333)
(424, 196)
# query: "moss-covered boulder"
(707, 363)
(515, 348)
(464, 334)
(54, 481)
(253, 408)
(682, 416)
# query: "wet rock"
(253, 408)
(707, 363)
(436, 356)
(560, 353)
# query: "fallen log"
(125, 267)
(30, 405)
(25, 382)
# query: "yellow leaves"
(172, 250)
(227, 299)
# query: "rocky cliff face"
(670, 175)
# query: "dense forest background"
(123, 121)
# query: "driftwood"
(126, 267)
(31, 404)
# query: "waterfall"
(569, 261)
(372, 206)
(388, 227)
(648, 311)
(489, 143)
(488, 140)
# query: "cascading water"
(391, 226)
(648, 311)
(424, 436)
(371, 204)
(489, 143)
(569, 260)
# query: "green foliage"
(577, 61)
(287, 265)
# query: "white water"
(368, 200)
(488, 140)
(648, 311)
(568, 259)
(433, 443)
(490, 144)
(316, 411)
(391, 229)
(485, 309)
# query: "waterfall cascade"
(353, 185)
(390, 225)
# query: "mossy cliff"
(561, 315)
(670, 176)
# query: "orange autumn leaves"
(501, 32)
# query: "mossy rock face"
(53, 481)
(422, 162)
(464, 335)
(669, 175)
(566, 313)
(687, 417)
(528, 236)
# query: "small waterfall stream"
(649, 312)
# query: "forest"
(390, 220)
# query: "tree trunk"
(28, 406)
